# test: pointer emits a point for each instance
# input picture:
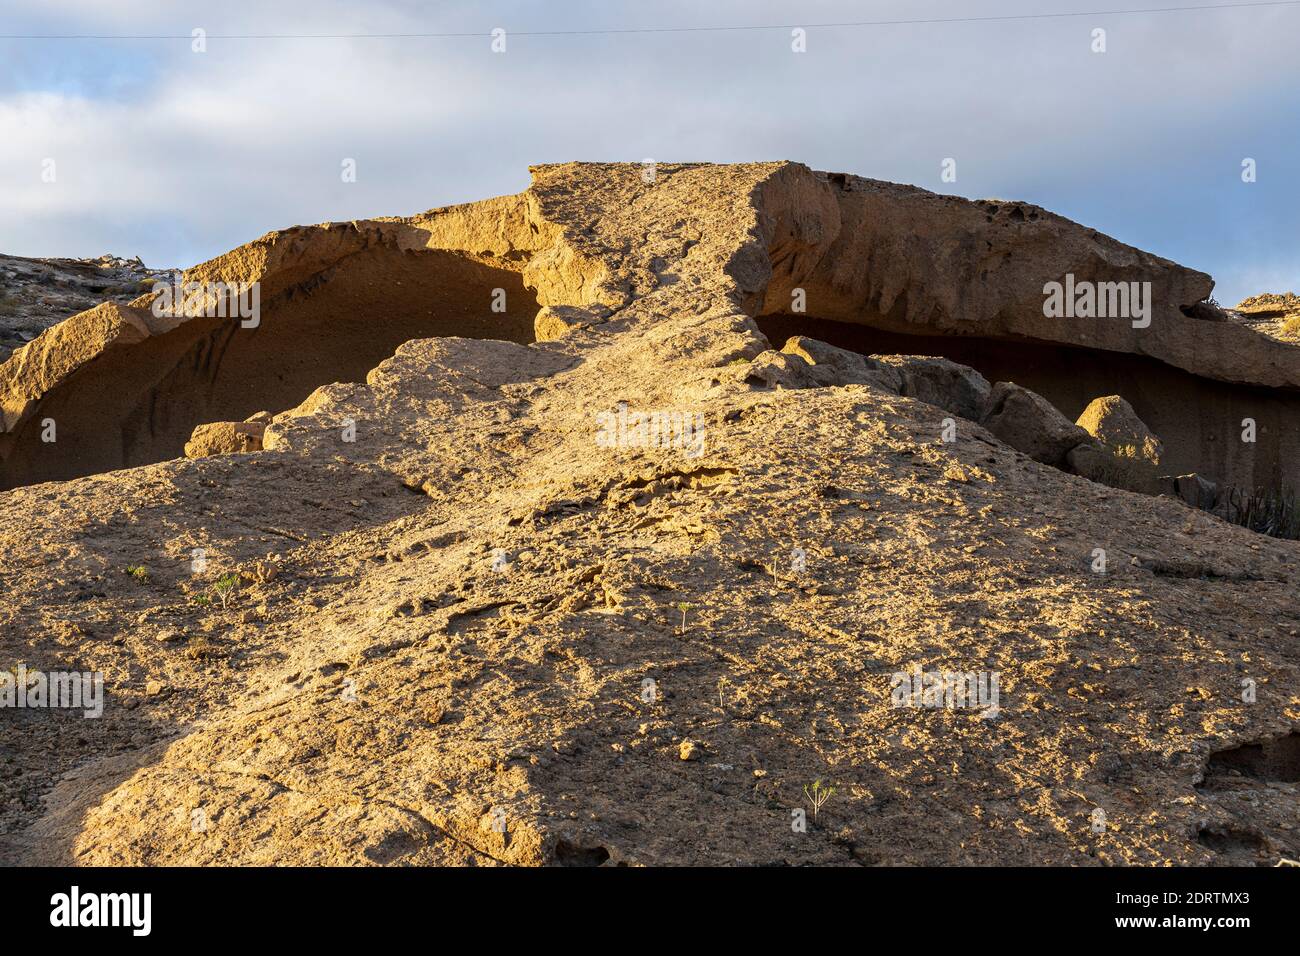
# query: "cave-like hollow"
(139, 404)
(1198, 419)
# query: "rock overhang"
(589, 243)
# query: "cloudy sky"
(177, 156)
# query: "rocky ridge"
(619, 585)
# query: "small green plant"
(201, 599)
(138, 571)
(818, 796)
(225, 589)
(683, 606)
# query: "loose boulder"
(1031, 424)
(554, 322)
(938, 381)
(1112, 421)
(837, 366)
(225, 438)
(1127, 454)
(1119, 468)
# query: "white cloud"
(208, 150)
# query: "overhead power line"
(614, 31)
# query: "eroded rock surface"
(1272, 313)
(620, 596)
(906, 260)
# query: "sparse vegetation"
(723, 684)
(683, 606)
(1270, 511)
(818, 796)
(139, 572)
(225, 589)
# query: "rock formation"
(226, 438)
(1129, 453)
(591, 525)
(1112, 421)
(1272, 313)
(37, 293)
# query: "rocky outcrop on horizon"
(37, 293)
(1272, 313)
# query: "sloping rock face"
(620, 596)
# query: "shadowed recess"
(1199, 420)
(138, 406)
